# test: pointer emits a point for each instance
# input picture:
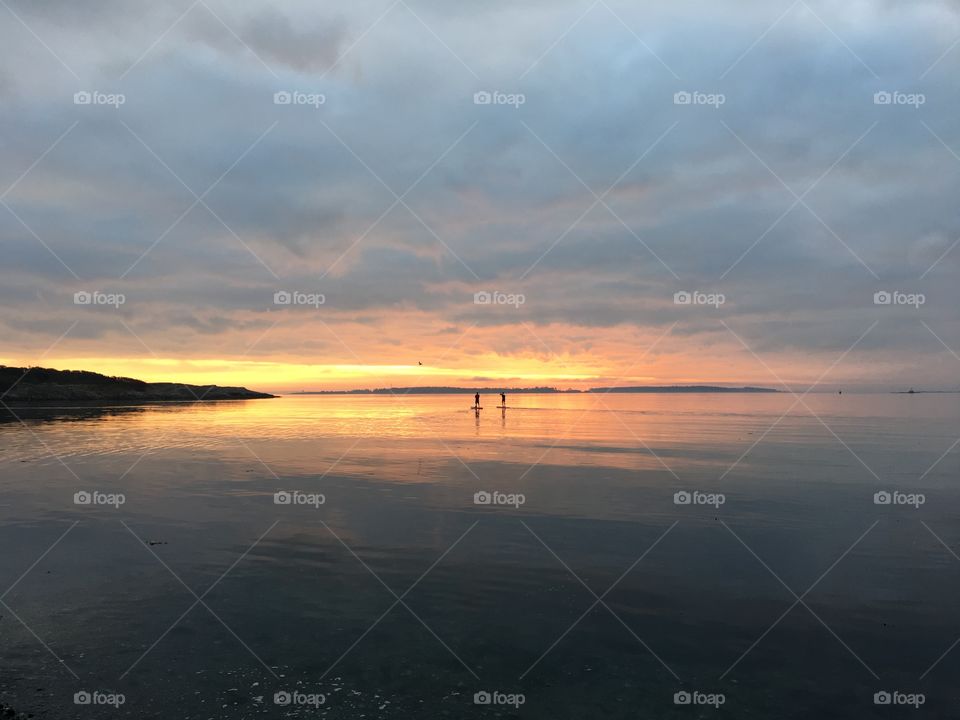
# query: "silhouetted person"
(503, 399)
(476, 400)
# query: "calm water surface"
(399, 596)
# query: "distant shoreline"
(19, 385)
(540, 390)
(925, 392)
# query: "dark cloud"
(302, 44)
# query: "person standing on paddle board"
(503, 400)
(476, 400)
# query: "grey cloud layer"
(500, 199)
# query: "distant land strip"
(40, 385)
(540, 390)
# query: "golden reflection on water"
(417, 435)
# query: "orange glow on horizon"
(281, 376)
(610, 357)
(286, 376)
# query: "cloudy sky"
(325, 195)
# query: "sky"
(413, 192)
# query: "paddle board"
(476, 407)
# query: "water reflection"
(494, 587)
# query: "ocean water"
(602, 556)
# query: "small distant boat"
(911, 391)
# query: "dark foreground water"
(783, 590)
